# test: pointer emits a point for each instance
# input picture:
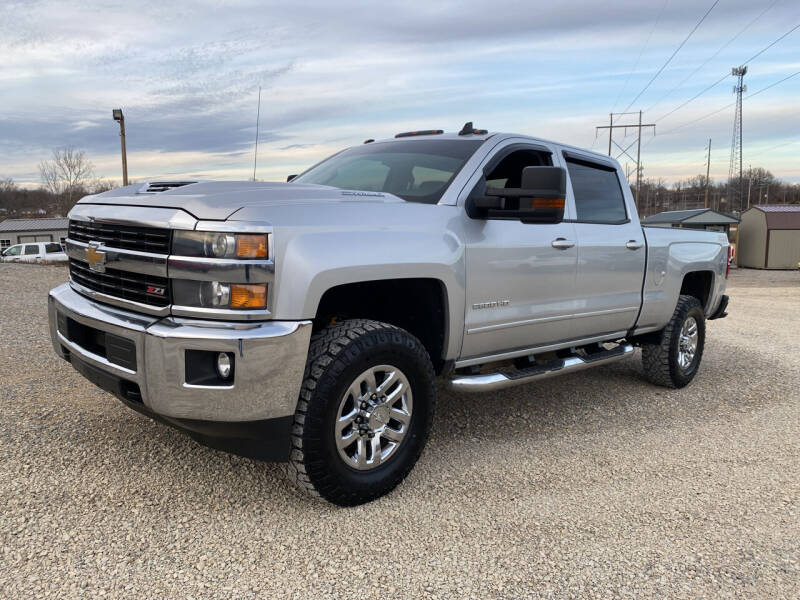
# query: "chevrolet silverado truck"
(305, 322)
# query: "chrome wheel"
(687, 343)
(373, 417)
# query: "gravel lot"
(596, 485)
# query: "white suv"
(35, 252)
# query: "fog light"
(224, 365)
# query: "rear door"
(611, 249)
(30, 253)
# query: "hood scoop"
(155, 187)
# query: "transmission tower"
(638, 141)
(735, 181)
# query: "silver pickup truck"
(306, 321)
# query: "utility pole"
(749, 183)
(120, 118)
(638, 126)
(708, 170)
(736, 143)
(639, 157)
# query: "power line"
(771, 148)
(726, 75)
(712, 57)
(638, 58)
(695, 97)
(664, 66)
(727, 106)
(771, 45)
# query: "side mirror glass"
(540, 199)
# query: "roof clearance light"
(422, 132)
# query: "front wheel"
(674, 360)
(364, 413)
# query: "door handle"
(634, 245)
(562, 244)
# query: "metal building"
(698, 218)
(769, 237)
(19, 231)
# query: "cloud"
(187, 75)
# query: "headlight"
(214, 294)
(212, 244)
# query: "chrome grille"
(122, 284)
(143, 239)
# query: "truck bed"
(671, 253)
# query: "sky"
(187, 73)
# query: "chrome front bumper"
(270, 359)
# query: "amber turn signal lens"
(251, 246)
(547, 203)
(248, 296)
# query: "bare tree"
(7, 185)
(67, 173)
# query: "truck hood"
(218, 200)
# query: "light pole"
(120, 118)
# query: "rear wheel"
(364, 413)
(674, 359)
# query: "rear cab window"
(31, 249)
(597, 191)
(53, 247)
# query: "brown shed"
(769, 237)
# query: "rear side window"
(31, 249)
(53, 247)
(598, 195)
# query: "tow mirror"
(540, 199)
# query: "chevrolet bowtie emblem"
(96, 258)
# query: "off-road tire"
(337, 354)
(660, 358)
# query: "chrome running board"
(498, 381)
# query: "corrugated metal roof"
(33, 224)
(780, 216)
(684, 216)
(775, 208)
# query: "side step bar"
(498, 381)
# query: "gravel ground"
(595, 485)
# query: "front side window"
(414, 170)
(13, 251)
(31, 249)
(508, 172)
(598, 195)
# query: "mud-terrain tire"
(347, 364)
(674, 360)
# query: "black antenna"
(468, 129)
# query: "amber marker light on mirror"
(251, 246)
(248, 296)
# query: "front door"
(520, 277)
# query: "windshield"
(414, 170)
